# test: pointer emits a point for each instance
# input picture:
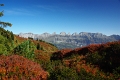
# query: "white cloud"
(16, 11)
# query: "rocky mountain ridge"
(64, 40)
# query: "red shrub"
(18, 67)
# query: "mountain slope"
(95, 59)
(74, 40)
(22, 58)
(25, 58)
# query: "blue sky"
(39, 16)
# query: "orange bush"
(18, 67)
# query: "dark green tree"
(4, 24)
(12, 35)
(38, 46)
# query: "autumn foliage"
(28, 59)
(94, 59)
(19, 68)
(108, 47)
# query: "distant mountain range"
(74, 40)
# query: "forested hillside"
(25, 58)
(6, 41)
(22, 58)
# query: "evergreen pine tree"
(4, 24)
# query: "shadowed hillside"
(95, 58)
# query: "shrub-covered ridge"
(19, 68)
(99, 60)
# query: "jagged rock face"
(74, 40)
(26, 35)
